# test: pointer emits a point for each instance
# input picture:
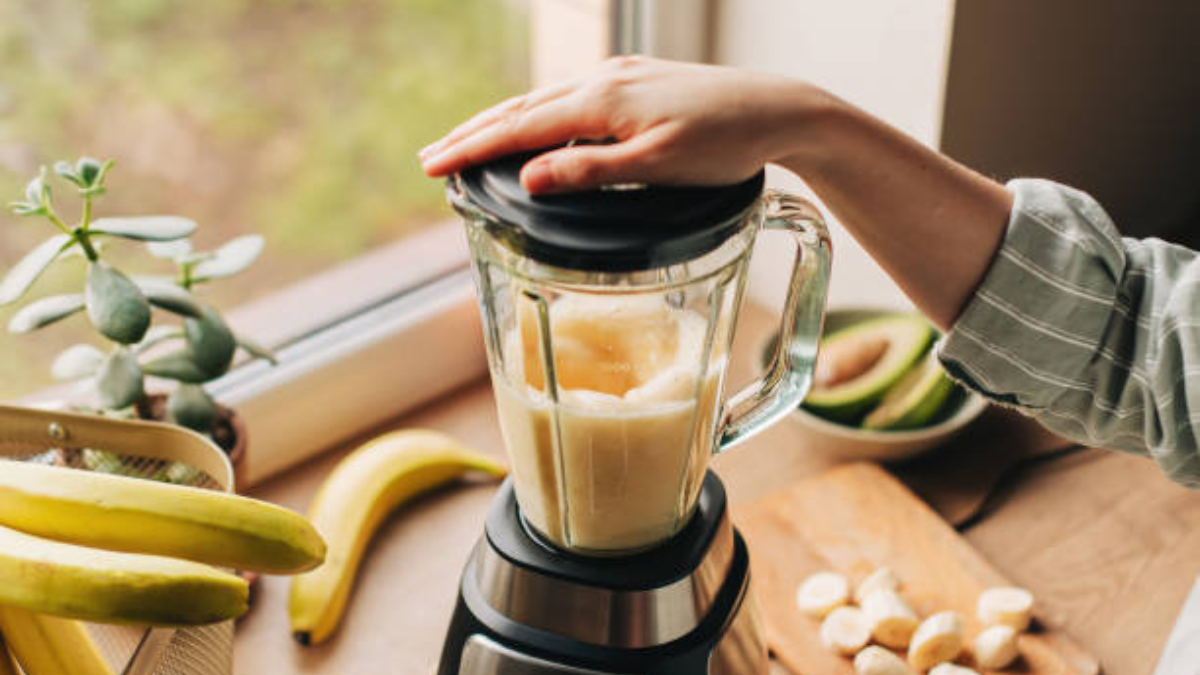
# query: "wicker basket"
(142, 450)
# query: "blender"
(608, 317)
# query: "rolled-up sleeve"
(1094, 335)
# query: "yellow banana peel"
(353, 502)
(7, 666)
(51, 577)
(120, 513)
(46, 645)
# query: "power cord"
(999, 491)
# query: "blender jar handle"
(790, 373)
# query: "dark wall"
(1100, 94)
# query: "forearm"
(933, 224)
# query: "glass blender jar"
(608, 317)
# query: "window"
(300, 120)
(296, 119)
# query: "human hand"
(672, 123)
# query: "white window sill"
(357, 345)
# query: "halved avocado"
(857, 365)
(915, 400)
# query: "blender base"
(682, 608)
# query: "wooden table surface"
(1107, 544)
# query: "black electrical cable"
(1008, 479)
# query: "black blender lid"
(614, 229)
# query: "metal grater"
(203, 650)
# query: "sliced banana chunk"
(845, 630)
(883, 578)
(996, 647)
(878, 661)
(823, 592)
(939, 638)
(891, 618)
(951, 669)
(1006, 606)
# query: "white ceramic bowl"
(846, 442)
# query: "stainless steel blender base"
(684, 607)
(740, 652)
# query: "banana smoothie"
(617, 463)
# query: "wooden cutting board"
(851, 520)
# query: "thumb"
(583, 167)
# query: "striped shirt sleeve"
(1094, 335)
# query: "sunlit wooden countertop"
(1108, 545)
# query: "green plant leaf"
(169, 297)
(116, 306)
(210, 342)
(76, 361)
(88, 170)
(236, 255)
(190, 406)
(145, 228)
(65, 170)
(177, 365)
(119, 381)
(157, 335)
(24, 273)
(37, 191)
(45, 311)
(169, 250)
(26, 209)
(256, 350)
(104, 168)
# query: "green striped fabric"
(1094, 335)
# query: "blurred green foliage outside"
(298, 119)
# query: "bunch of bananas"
(76, 546)
(97, 547)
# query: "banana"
(845, 630)
(354, 500)
(7, 667)
(939, 638)
(45, 645)
(141, 516)
(891, 618)
(875, 660)
(84, 583)
(1006, 606)
(822, 593)
(951, 669)
(882, 578)
(996, 647)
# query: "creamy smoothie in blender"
(615, 465)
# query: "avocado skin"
(929, 404)
(909, 337)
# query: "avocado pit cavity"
(845, 360)
(858, 364)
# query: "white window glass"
(296, 119)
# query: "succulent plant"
(197, 348)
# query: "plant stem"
(85, 241)
(58, 222)
(185, 276)
(87, 213)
